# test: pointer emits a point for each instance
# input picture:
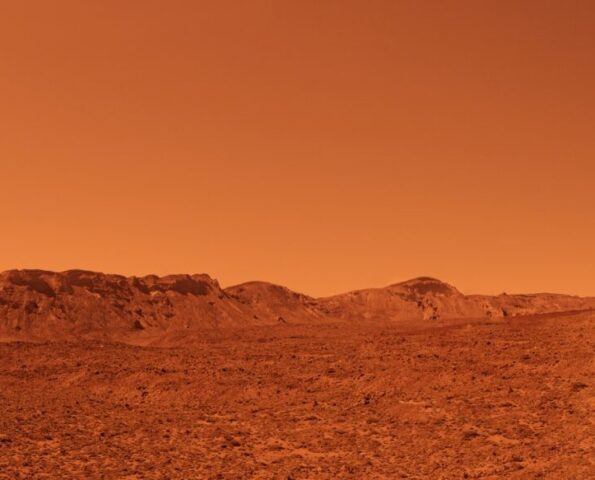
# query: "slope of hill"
(42, 305)
(426, 298)
(274, 303)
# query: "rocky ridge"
(41, 305)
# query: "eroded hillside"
(176, 309)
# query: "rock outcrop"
(40, 305)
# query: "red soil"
(490, 399)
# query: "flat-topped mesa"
(52, 284)
(39, 281)
(42, 305)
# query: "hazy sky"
(323, 145)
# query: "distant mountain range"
(37, 305)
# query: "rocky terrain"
(37, 305)
(506, 398)
(109, 377)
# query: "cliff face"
(75, 303)
(42, 305)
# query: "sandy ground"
(511, 398)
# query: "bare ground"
(512, 398)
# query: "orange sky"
(323, 145)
